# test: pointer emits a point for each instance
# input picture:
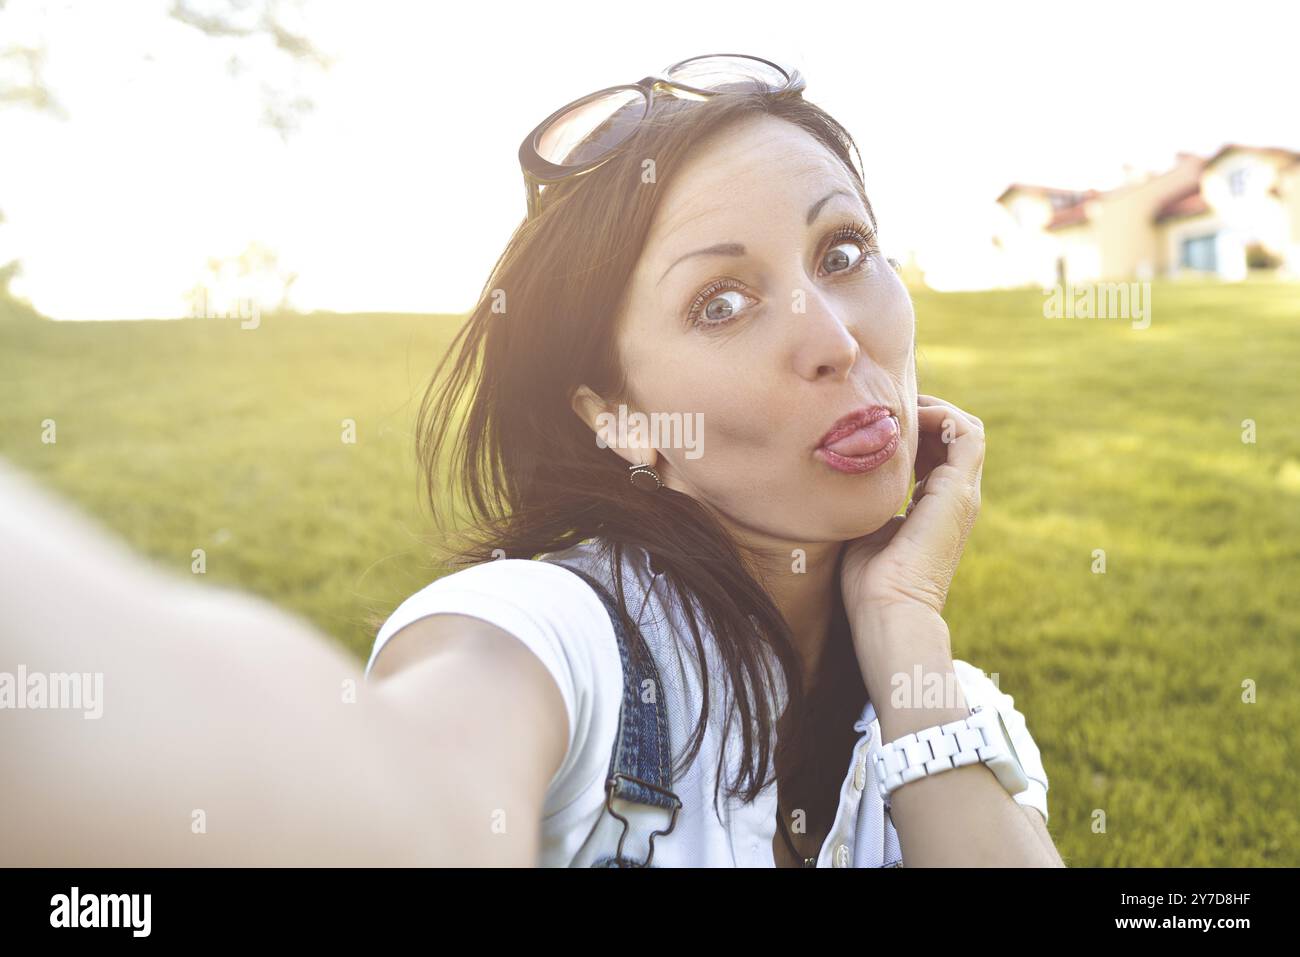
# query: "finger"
(939, 411)
(931, 451)
(916, 497)
(946, 499)
(917, 491)
(930, 400)
(962, 441)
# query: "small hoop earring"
(645, 478)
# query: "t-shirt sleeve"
(564, 623)
(980, 689)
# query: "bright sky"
(403, 185)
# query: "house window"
(1063, 200)
(1237, 182)
(1198, 253)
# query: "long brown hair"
(532, 479)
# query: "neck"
(803, 585)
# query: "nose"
(826, 346)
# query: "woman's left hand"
(911, 560)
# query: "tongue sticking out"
(868, 439)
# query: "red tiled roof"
(1031, 188)
(1068, 216)
(1189, 202)
(1293, 155)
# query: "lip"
(853, 421)
(848, 424)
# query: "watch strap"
(935, 749)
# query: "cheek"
(733, 408)
(892, 330)
(737, 411)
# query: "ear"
(603, 421)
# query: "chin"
(889, 496)
(862, 519)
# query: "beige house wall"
(1130, 246)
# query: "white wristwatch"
(982, 736)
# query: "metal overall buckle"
(609, 805)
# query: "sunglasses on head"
(583, 134)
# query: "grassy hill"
(199, 434)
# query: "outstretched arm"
(225, 732)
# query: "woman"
(711, 262)
(746, 622)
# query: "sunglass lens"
(728, 73)
(592, 128)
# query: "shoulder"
(979, 688)
(515, 594)
(557, 616)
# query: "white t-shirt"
(558, 616)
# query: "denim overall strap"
(640, 765)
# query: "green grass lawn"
(198, 434)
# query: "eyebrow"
(738, 249)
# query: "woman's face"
(786, 325)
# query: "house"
(1224, 216)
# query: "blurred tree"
(22, 79)
(255, 276)
(249, 27)
(249, 24)
(22, 84)
(11, 308)
(261, 37)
